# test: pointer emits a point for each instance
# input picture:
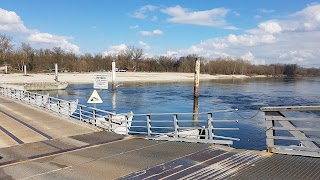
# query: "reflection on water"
(247, 95)
(114, 101)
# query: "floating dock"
(38, 145)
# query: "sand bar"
(84, 78)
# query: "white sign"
(100, 82)
(94, 98)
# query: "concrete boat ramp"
(38, 145)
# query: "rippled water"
(247, 95)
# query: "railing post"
(59, 108)
(176, 126)
(269, 132)
(80, 113)
(69, 108)
(111, 116)
(49, 101)
(210, 127)
(126, 124)
(149, 125)
(94, 116)
(29, 97)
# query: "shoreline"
(121, 77)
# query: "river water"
(247, 95)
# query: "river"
(247, 95)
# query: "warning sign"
(100, 82)
(95, 98)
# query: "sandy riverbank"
(83, 78)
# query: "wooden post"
(25, 69)
(6, 69)
(56, 72)
(196, 78)
(113, 75)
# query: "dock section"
(38, 145)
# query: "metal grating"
(282, 167)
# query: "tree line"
(42, 60)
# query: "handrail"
(173, 126)
(304, 136)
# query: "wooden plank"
(291, 108)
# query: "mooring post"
(56, 72)
(196, 78)
(113, 75)
(25, 69)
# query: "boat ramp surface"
(38, 145)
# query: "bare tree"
(5, 47)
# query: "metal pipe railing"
(291, 130)
(177, 126)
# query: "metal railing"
(184, 127)
(293, 130)
(211, 127)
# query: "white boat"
(118, 123)
(64, 108)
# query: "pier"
(38, 144)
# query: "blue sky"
(262, 32)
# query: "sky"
(260, 31)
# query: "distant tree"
(5, 47)
(290, 69)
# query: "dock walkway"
(38, 145)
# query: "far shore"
(121, 77)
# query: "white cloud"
(144, 45)
(58, 41)
(250, 57)
(214, 17)
(115, 49)
(270, 27)
(151, 33)
(141, 13)
(309, 19)
(154, 18)
(292, 39)
(11, 22)
(134, 27)
(231, 28)
(263, 10)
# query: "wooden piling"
(6, 69)
(113, 75)
(197, 78)
(56, 72)
(25, 69)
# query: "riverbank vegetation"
(42, 60)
